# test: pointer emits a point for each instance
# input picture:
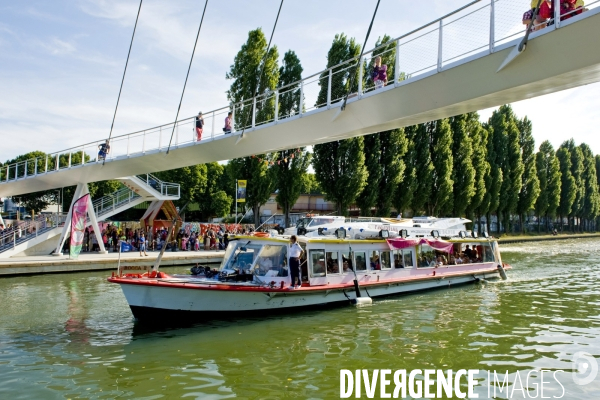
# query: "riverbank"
(99, 262)
(507, 239)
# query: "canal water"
(70, 336)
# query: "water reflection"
(73, 335)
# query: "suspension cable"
(262, 68)
(123, 78)
(358, 64)
(186, 77)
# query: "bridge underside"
(554, 61)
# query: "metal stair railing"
(24, 231)
(164, 188)
(114, 201)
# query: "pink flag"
(78, 217)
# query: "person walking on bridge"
(199, 126)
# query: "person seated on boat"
(346, 264)
(375, 265)
(334, 268)
(441, 260)
(468, 252)
(451, 260)
(360, 264)
(458, 259)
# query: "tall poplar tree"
(289, 97)
(244, 72)
(368, 197)
(548, 170)
(289, 170)
(577, 172)
(591, 198)
(423, 165)
(463, 173)
(530, 184)
(568, 187)
(440, 202)
(403, 194)
(393, 146)
(479, 139)
(340, 165)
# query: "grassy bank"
(536, 237)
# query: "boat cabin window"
(466, 253)
(375, 263)
(241, 256)
(333, 264)
(317, 263)
(272, 261)
(347, 264)
(360, 258)
(427, 256)
(385, 259)
(403, 258)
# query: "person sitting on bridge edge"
(228, 122)
(199, 125)
(379, 73)
(103, 150)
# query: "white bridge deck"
(445, 68)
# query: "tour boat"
(253, 277)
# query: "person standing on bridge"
(199, 125)
(228, 123)
(379, 73)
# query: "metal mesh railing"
(22, 231)
(474, 30)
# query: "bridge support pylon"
(81, 190)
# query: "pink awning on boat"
(440, 245)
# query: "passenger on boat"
(295, 252)
(346, 262)
(468, 252)
(451, 260)
(458, 259)
(375, 265)
(360, 264)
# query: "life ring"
(261, 234)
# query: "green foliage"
(577, 170)
(36, 201)
(463, 172)
(244, 72)
(591, 197)
(549, 176)
(423, 183)
(342, 49)
(192, 179)
(393, 146)
(406, 187)
(290, 72)
(530, 184)
(310, 184)
(440, 202)
(568, 188)
(479, 140)
(368, 197)
(289, 170)
(213, 201)
(340, 170)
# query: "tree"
(591, 198)
(577, 173)
(289, 169)
(406, 187)
(340, 170)
(440, 202)
(463, 173)
(340, 165)
(493, 182)
(530, 184)
(260, 181)
(192, 181)
(213, 201)
(244, 72)
(568, 188)
(393, 146)
(548, 172)
(368, 197)
(423, 169)
(479, 140)
(289, 96)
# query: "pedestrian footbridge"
(40, 235)
(453, 65)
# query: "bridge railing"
(22, 231)
(472, 31)
(164, 188)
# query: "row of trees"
(450, 167)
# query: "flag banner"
(241, 192)
(125, 246)
(78, 217)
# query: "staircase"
(33, 233)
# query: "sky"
(61, 63)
